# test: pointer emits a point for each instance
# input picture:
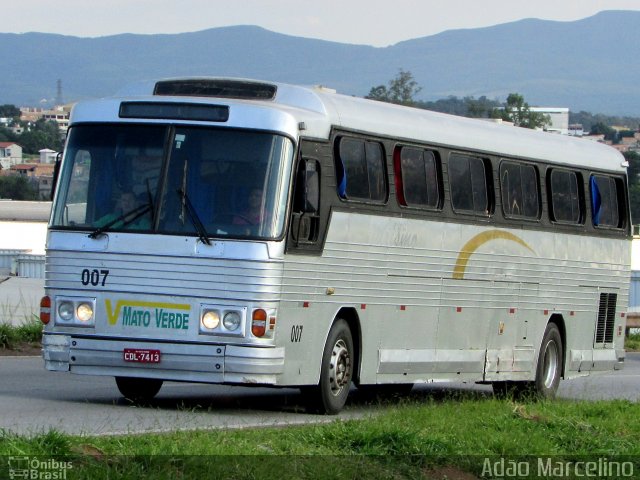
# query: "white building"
(10, 154)
(47, 155)
(576, 130)
(559, 118)
(59, 114)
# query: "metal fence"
(30, 266)
(7, 257)
(21, 263)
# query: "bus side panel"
(439, 301)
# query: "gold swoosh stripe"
(476, 242)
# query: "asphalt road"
(33, 401)
(16, 210)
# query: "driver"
(254, 213)
(127, 204)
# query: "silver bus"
(243, 232)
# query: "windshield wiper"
(193, 217)
(126, 218)
(150, 201)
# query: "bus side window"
(519, 186)
(360, 170)
(417, 175)
(605, 211)
(566, 206)
(468, 184)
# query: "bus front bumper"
(207, 363)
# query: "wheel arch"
(559, 322)
(350, 315)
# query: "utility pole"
(59, 100)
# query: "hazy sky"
(370, 22)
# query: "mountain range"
(590, 64)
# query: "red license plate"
(139, 355)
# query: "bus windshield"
(174, 180)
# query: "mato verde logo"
(135, 313)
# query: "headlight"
(211, 319)
(232, 320)
(65, 311)
(75, 312)
(222, 320)
(84, 312)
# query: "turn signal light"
(45, 310)
(259, 323)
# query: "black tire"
(336, 372)
(138, 390)
(548, 371)
(550, 360)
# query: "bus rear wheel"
(138, 390)
(336, 372)
(548, 371)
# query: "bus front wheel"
(138, 390)
(336, 372)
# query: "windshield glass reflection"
(181, 181)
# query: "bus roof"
(317, 110)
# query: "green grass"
(12, 337)
(415, 438)
(632, 342)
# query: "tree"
(9, 111)
(7, 135)
(600, 128)
(45, 134)
(17, 187)
(516, 110)
(589, 120)
(401, 90)
(379, 93)
(481, 107)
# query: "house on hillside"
(10, 154)
(632, 144)
(40, 174)
(47, 155)
(59, 114)
(576, 130)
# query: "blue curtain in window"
(596, 200)
(342, 179)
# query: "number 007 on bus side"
(141, 356)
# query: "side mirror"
(56, 173)
(305, 220)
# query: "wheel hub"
(550, 363)
(339, 368)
